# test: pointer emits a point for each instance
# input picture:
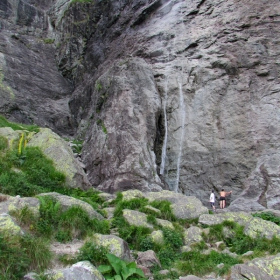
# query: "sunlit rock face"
(182, 95)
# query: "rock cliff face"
(179, 94)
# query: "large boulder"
(183, 207)
(82, 270)
(192, 235)
(67, 201)
(58, 150)
(252, 226)
(267, 268)
(18, 203)
(115, 245)
(136, 218)
(8, 226)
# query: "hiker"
(223, 195)
(212, 201)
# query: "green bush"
(165, 209)
(93, 253)
(131, 234)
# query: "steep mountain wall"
(180, 94)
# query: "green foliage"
(48, 41)
(172, 237)
(3, 143)
(15, 126)
(194, 262)
(23, 254)
(66, 225)
(132, 204)
(120, 270)
(93, 253)
(28, 173)
(165, 208)
(268, 216)
(100, 123)
(131, 234)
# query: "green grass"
(268, 216)
(29, 173)
(66, 225)
(200, 264)
(22, 254)
(17, 126)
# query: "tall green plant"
(120, 270)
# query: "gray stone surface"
(267, 268)
(115, 245)
(203, 73)
(183, 207)
(252, 226)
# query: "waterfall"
(182, 112)
(163, 153)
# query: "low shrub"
(93, 253)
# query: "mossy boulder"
(131, 194)
(116, 245)
(267, 268)
(157, 237)
(58, 150)
(252, 226)
(192, 235)
(18, 203)
(165, 223)
(183, 207)
(10, 134)
(67, 201)
(136, 218)
(8, 225)
(83, 270)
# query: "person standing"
(212, 201)
(223, 195)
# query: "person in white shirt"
(212, 200)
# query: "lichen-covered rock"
(136, 218)
(67, 201)
(192, 235)
(152, 209)
(267, 268)
(55, 148)
(130, 194)
(10, 134)
(18, 203)
(183, 207)
(116, 245)
(157, 237)
(8, 225)
(83, 270)
(252, 226)
(165, 223)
